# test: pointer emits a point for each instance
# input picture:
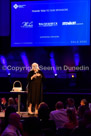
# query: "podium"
(19, 98)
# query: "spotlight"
(76, 59)
(9, 74)
(73, 76)
(53, 63)
(4, 63)
(25, 61)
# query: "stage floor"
(22, 115)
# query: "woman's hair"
(43, 111)
(36, 65)
(83, 102)
(11, 101)
(72, 116)
(9, 110)
(3, 100)
(70, 101)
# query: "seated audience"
(71, 104)
(47, 126)
(59, 115)
(5, 122)
(3, 104)
(82, 108)
(84, 128)
(72, 120)
(14, 126)
(83, 102)
(60, 122)
(81, 112)
(31, 127)
(0, 105)
(11, 102)
(16, 105)
(86, 119)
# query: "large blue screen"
(50, 23)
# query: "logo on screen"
(18, 6)
(27, 24)
(15, 6)
(48, 24)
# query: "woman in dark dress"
(35, 88)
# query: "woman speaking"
(35, 88)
